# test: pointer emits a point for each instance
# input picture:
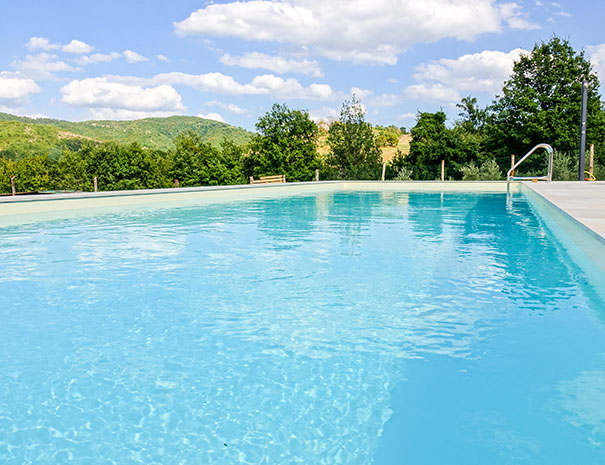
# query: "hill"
(21, 135)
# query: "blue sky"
(231, 61)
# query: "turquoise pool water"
(337, 328)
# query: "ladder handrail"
(547, 178)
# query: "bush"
(404, 174)
(564, 167)
(488, 171)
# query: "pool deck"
(582, 201)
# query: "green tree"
(285, 144)
(69, 172)
(7, 169)
(195, 162)
(432, 141)
(541, 103)
(354, 152)
(472, 117)
(33, 173)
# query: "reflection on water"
(583, 401)
(281, 331)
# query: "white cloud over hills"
(14, 90)
(120, 98)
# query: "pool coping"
(470, 186)
(560, 195)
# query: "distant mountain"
(22, 136)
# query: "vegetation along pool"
(318, 328)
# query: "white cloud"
(77, 47)
(432, 92)
(514, 16)
(478, 72)
(368, 97)
(40, 43)
(277, 64)
(361, 93)
(163, 58)
(15, 90)
(226, 106)
(266, 84)
(324, 114)
(134, 57)
(596, 54)
(122, 114)
(125, 100)
(371, 32)
(407, 116)
(213, 117)
(42, 66)
(98, 58)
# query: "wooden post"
(443, 170)
(384, 171)
(13, 189)
(176, 183)
(95, 184)
(591, 166)
(512, 163)
(317, 175)
(251, 179)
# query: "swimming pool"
(319, 328)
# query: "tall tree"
(432, 141)
(285, 144)
(541, 103)
(195, 162)
(354, 152)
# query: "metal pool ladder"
(547, 178)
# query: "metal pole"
(384, 169)
(583, 131)
(512, 163)
(591, 165)
(443, 170)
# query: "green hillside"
(22, 136)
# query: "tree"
(472, 116)
(541, 103)
(285, 144)
(69, 172)
(354, 152)
(195, 162)
(432, 141)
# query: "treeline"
(121, 167)
(286, 143)
(539, 103)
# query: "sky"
(231, 60)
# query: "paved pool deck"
(582, 201)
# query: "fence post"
(13, 189)
(591, 166)
(443, 170)
(94, 183)
(317, 175)
(176, 183)
(384, 170)
(512, 163)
